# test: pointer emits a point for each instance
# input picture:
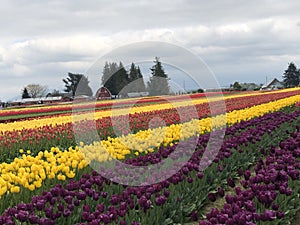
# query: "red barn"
(103, 94)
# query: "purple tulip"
(247, 174)
(81, 195)
(135, 223)
(123, 222)
(104, 194)
(22, 215)
(160, 200)
(194, 216)
(221, 192)
(200, 175)
(33, 219)
(40, 204)
(279, 214)
(230, 182)
(212, 197)
(190, 180)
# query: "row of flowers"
(94, 199)
(107, 104)
(62, 135)
(120, 102)
(63, 163)
(148, 140)
(30, 172)
(269, 193)
(116, 103)
(58, 120)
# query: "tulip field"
(54, 171)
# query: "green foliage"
(77, 84)
(108, 80)
(115, 77)
(197, 91)
(158, 84)
(291, 76)
(237, 86)
(119, 82)
(25, 94)
(136, 79)
(122, 80)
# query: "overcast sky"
(245, 41)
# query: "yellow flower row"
(146, 141)
(29, 172)
(58, 120)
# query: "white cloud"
(42, 41)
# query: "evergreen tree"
(77, 84)
(136, 79)
(291, 76)
(83, 87)
(25, 93)
(158, 84)
(105, 73)
(122, 79)
(132, 75)
(140, 87)
(107, 77)
(115, 78)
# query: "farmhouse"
(273, 85)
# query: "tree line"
(115, 78)
(119, 81)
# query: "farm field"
(211, 167)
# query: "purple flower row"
(257, 200)
(89, 201)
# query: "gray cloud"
(245, 41)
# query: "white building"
(273, 85)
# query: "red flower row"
(99, 105)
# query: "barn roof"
(272, 82)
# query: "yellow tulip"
(61, 177)
(31, 187)
(15, 189)
(3, 190)
(71, 174)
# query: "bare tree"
(36, 90)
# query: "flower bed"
(44, 137)
(251, 99)
(93, 199)
(119, 148)
(57, 186)
(270, 194)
